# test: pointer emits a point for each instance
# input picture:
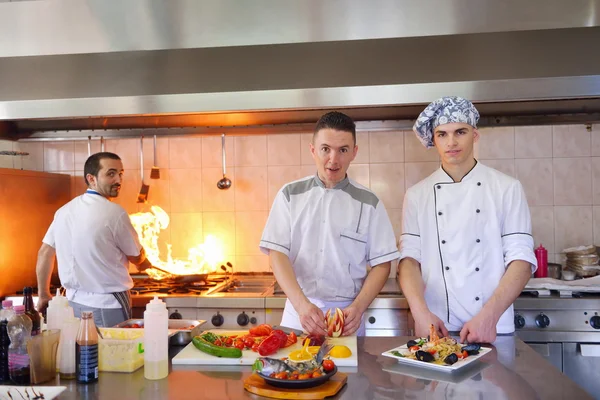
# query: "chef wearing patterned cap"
(466, 247)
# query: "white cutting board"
(192, 356)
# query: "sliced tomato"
(414, 348)
(432, 351)
(261, 330)
(291, 339)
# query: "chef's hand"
(312, 319)
(481, 329)
(352, 319)
(424, 321)
(42, 303)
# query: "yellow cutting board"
(190, 355)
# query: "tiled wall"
(559, 167)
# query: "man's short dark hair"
(338, 121)
(92, 164)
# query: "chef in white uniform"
(330, 241)
(466, 249)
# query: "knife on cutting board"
(287, 330)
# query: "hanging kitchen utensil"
(224, 183)
(89, 146)
(155, 172)
(102, 144)
(143, 194)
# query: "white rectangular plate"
(446, 368)
(49, 392)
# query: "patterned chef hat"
(444, 111)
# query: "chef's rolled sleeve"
(410, 240)
(517, 241)
(381, 243)
(49, 237)
(277, 233)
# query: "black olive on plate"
(424, 356)
(411, 343)
(451, 359)
(471, 349)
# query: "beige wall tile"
(595, 140)
(542, 223)
(533, 141)
(186, 190)
(252, 264)
(387, 181)
(212, 153)
(506, 166)
(185, 152)
(127, 149)
(59, 156)
(283, 149)
(596, 180)
(395, 215)
(222, 226)
(308, 170)
(162, 152)
(572, 227)
(6, 161)
(362, 141)
(186, 232)
(596, 226)
(536, 176)
(497, 143)
(81, 152)
(386, 147)
(305, 156)
(415, 172)
(213, 198)
(250, 150)
(415, 151)
(78, 185)
(251, 192)
(130, 187)
(571, 141)
(280, 176)
(160, 189)
(572, 181)
(249, 227)
(359, 173)
(35, 160)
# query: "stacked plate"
(583, 260)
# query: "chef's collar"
(340, 185)
(444, 177)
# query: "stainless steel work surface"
(512, 371)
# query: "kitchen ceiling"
(78, 67)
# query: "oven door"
(552, 352)
(581, 363)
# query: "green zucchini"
(214, 350)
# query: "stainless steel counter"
(512, 371)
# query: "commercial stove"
(224, 301)
(564, 327)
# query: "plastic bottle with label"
(541, 254)
(7, 311)
(19, 332)
(87, 349)
(31, 312)
(156, 340)
(4, 343)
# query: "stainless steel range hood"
(99, 65)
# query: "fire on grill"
(202, 259)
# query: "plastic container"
(19, 332)
(541, 254)
(86, 354)
(42, 355)
(156, 340)
(7, 311)
(68, 338)
(57, 313)
(4, 343)
(121, 350)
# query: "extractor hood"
(71, 67)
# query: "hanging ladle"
(224, 183)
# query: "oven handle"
(590, 350)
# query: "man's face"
(333, 151)
(454, 142)
(108, 181)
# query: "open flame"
(202, 258)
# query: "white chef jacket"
(93, 237)
(465, 234)
(329, 235)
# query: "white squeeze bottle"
(57, 313)
(156, 340)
